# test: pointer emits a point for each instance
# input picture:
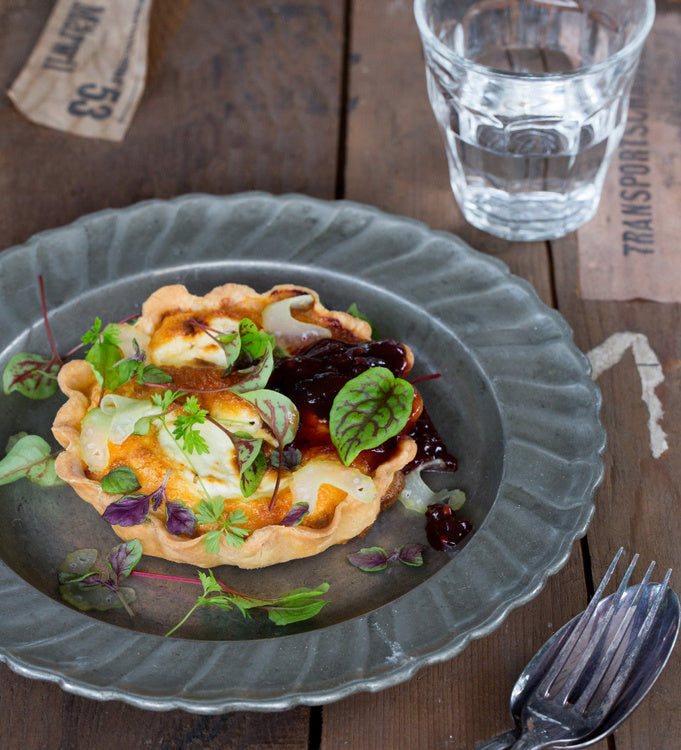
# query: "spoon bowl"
(650, 662)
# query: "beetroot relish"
(313, 377)
(443, 529)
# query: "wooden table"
(328, 98)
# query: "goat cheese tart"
(238, 428)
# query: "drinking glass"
(531, 97)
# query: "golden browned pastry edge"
(266, 546)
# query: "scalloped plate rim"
(22, 663)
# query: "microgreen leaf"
(292, 606)
(154, 375)
(31, 457)
(254, 342)
(368, 410)
(277, 411)
(130, 510)
(256, 377)
(373, 559)
(103, 357)
(251, 475)
(88, 589)
(290, 458)
(281, 415)
(297, 605)
(179, 518)
(31, 375)
(184, 428)
(370, 559)
(212, 511)
(123, 559)
(120, 480)
(295, 515)
(411, 554)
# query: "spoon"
(650, 662)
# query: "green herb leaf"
(254, 342)
(292, 606)
(166, 399)
(184, 429)
(252, 475)
(103, 357)
(154, 375)
(211, 511)
(31, 457)
(120, 481)
(368, 410)
(297, 605)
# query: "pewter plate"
(514, 402)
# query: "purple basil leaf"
(411, 554)
(123, 558)
(159, 494)
(92, 580)
(131, 510)
(179, 518)
(369, 559)
(291, 458)
(295, 515)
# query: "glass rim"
(637, 40)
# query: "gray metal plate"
(515, 403)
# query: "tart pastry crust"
(267, 545)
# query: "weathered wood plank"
(395, 159)
(242, 95)
(246, 97)
(638, 505)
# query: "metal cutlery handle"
(501, 742)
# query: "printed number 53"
(93, 101)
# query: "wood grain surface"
(328, 98)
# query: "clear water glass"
(531, 97)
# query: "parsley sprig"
(211, 511)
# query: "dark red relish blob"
(429, 446)
(443, 529)
(313, 377)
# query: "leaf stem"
(179, 579)
(43, 303)
(420, 379)
(124, 603)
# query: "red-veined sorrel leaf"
(256, 377)
(28, 456)
(277, 411)
(368, 410)
(31, 375)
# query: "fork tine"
(597, 637)
(566, 650)
(638, 638)
(613, 642)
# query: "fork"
(593, 666)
